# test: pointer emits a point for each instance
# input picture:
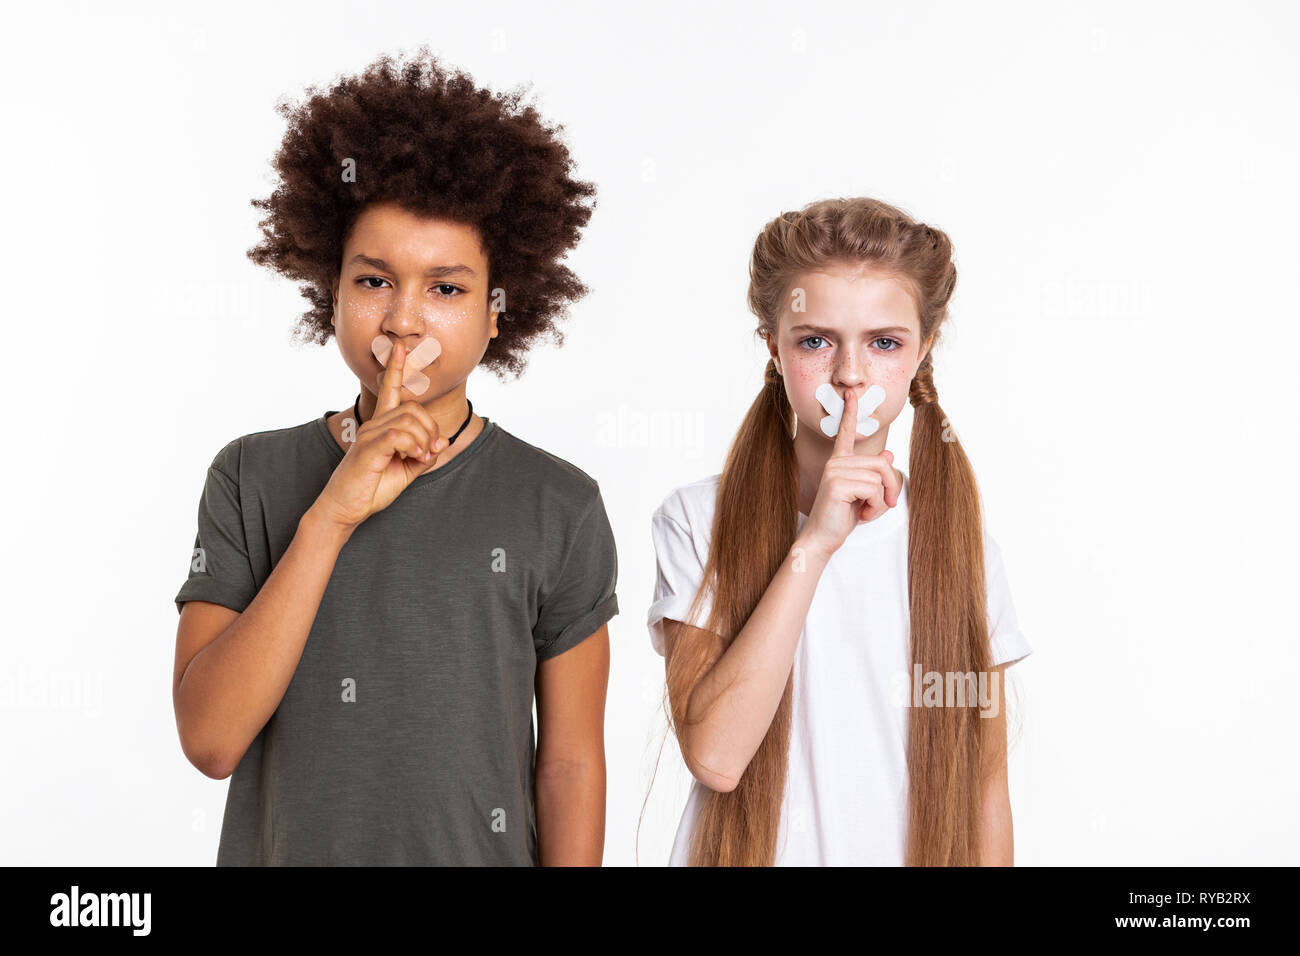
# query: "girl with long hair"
(835, 631)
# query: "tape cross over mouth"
(834, 405)
(420, 357)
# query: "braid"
(770, 375)
(923, 391)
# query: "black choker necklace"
(356, 410)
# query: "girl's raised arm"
(732, 704)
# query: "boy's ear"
(495, 313)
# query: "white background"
(1119, 181)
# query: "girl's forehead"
(832, 302)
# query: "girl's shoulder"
(691, 505)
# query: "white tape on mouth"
(834, 405)
(420, 357)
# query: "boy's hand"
(399, 443)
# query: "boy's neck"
(443, 419)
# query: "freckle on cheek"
(366, 311)
(448, 318)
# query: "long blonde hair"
(946, 585)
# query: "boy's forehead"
(405, 240)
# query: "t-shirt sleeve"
(584, 598)
(220, 570)
(678, 573)
(1007, 641)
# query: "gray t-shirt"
(406, 735)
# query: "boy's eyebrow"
(892, 329)
(440, 272)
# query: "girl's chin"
(814, 430)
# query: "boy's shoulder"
(268, 445)
(544, 467)
(519, 461)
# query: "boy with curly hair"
(376, 595)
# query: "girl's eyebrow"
(891, 329)
(440, 272)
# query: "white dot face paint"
(420, 357)
(834, 405)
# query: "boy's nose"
(405, 323)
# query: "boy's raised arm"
(231, 674)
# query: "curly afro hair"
(428, 139)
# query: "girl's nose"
(849, 371)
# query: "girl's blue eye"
(895, 344)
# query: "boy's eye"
(445, 289)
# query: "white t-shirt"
(846, 790)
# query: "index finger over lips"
(390, 386)
(848, 433)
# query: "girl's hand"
(854, 489)
(399, 443)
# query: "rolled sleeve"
(584, 598)
(220, 570)
(678, 573)
(1007, 642)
